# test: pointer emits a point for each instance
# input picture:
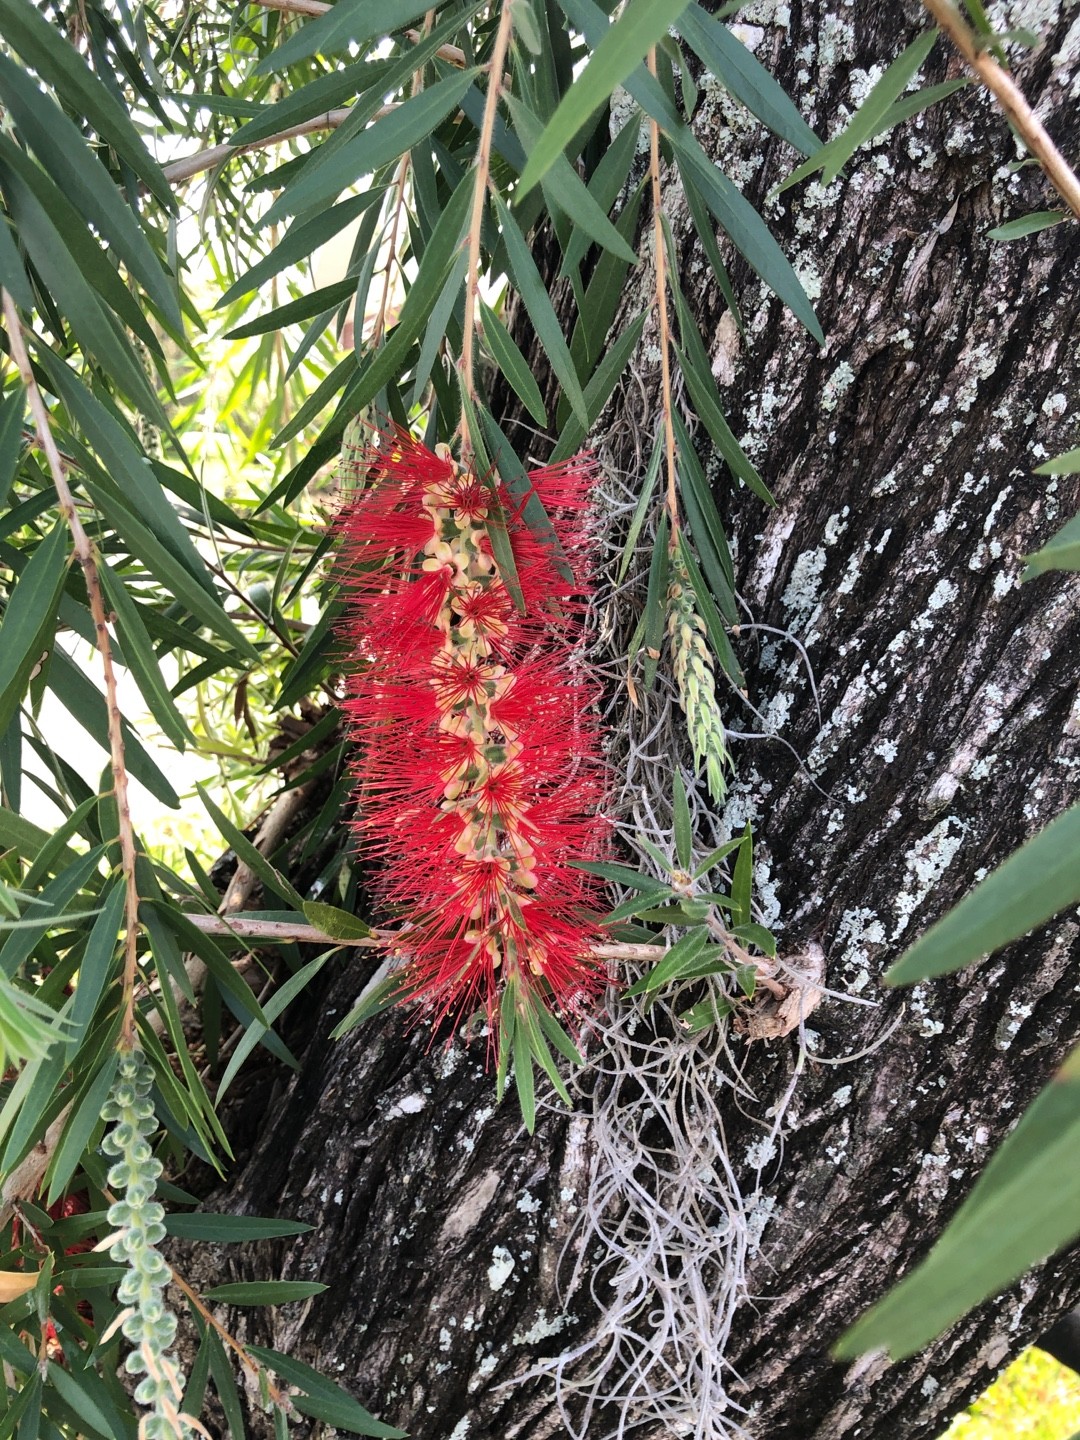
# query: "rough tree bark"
(901, 459)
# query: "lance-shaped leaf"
(1040, 879)
(1025, 1206)
(30, 618)
(619, 52)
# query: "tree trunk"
(940, 728)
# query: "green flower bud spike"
(137, 1221)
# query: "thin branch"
(84, 553)
(314, 8)
(181, 170)
(1011, 100)
(476, 220)
(660, 262)
(247, 1360)
(286, 930)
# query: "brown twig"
(1011, 100)
(660, 261)
(270, 931)
(476, 219)
(250, 1364)
(181, 170)
(84, 554)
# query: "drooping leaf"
(1033, 884)
(746, 77)
(871, 116)
(1060, 553)
(620, 51)
(1024, 1206)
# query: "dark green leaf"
(686, 951)
(299, 241)
(96, 965)
(684, 834)
(1027, 225)
(598, 391)
(870, 118)
(264, 1292)
(73, 166)
(1067, 464)
(537, 302)
(30, 617)
(140, 658)
(1060, 553)
(349, 23)
(512, 364)
(80, 1126)
(1037, 881)
(742, 881)
(85, 703)
(44, 47)
(1025, 1205)
(745, 77)
(385, 140)
(656, 603)
(620, 51)
(622, 875)
(11, 422)
(318, 1387)
(338, 924)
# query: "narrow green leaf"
(758, 936)
(318, 1387)
(746, 78)
(606, 185)
(300, 241)
(511, 363)
(338, 924)
(225, 1384)
(702, 387)
(685, 951)
(11, 423)
(12, 273)
(656, 604)
(96, 965)
(519, 487)
(30, 617)
(565, 190)
(558, 1036)
(1067, 464)
(537, 302)
(69, 161)
(383, 141)
(322, 301)
(348, 23)
(713, 859)
(46, 49)
(872, 116)
(438, 259)
(706, 608)
(619, 52)
(1060, 553)
(746, 230)
(742, 881)
(622, 875)
(599, 390)
(1027, 225)
(251, 857)
(641, 509)
(64, 260)
(140, 659)
(80, 1126)
(203, 604)
(523, 1076)
(264, 1292)
(85, 703)
(683, 830)
(387, 992)
(1025, 1206)
(230, 982)
(1034, 883)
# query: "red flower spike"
(479, 771)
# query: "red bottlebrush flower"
(479, 773)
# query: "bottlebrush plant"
(479, 776)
